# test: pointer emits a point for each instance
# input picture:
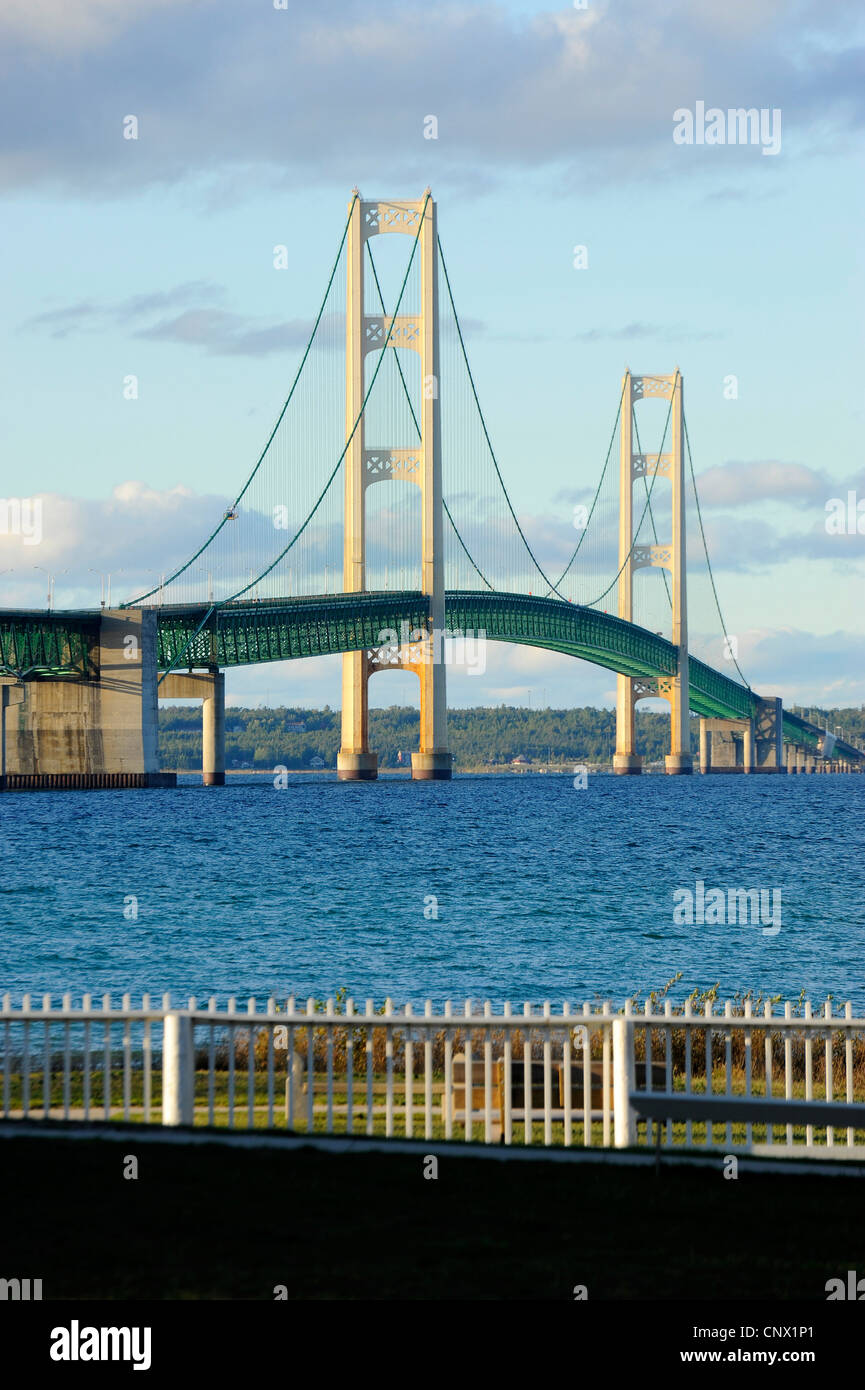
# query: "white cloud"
(73, 24)
(745, 482)
(226, 90)
(135, 534)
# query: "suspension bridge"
(313, 558)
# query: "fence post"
(295, 1091)
(624, 1076)
(178, 1070)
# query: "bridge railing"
(792, 1082)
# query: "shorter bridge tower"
(674, 688)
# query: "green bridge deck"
(36, 644)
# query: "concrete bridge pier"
(627, 762)
(768, 727)
(748, 746)
(209, 687)
(11, 693)
(725, 739)
(97, 728)
(705, 747)
(745, 745)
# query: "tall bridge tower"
(420, 465)
(671, 557)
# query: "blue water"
(543, 891)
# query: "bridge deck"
(36, 643)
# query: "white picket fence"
(595, 1077)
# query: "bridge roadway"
(37, 643)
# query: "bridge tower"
(421, 465)
(674, 688)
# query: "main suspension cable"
(272, 434)
(598, 488)
(550, 585)
(651, 512)
(648, 501)
(706, 553)
(415, 421)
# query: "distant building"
(316, 762)
(520, 760)
(296, 728)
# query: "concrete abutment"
(99, 731)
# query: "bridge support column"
(748, 746)
(354, 761)
(209, 687)
(705, 747)
(790, 754)
(768, 729)
(726, 741)
(213, 734)
(627, 762)
(800, 759)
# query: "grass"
(733, 1135)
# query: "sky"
(153, 257)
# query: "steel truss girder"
(35, 644)
(41, 644)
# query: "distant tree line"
(483, 737)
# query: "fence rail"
(673, 1076)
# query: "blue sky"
(555, 129)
